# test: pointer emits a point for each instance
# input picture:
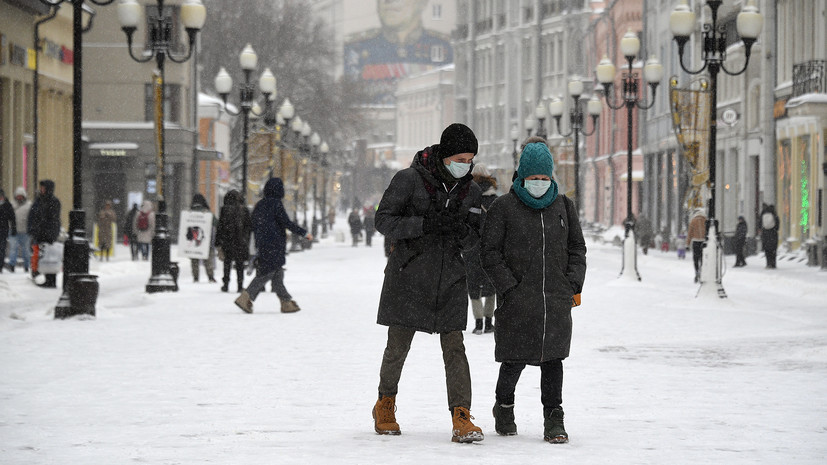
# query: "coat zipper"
(545, 306)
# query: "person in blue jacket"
(270, 221)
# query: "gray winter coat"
(537, 261)
(425, 287)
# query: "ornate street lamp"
(267, 85)
(529, 124)
(748, 25)
(652, 73)
(286, 111)
(540, 114)
(577, 127)
(515, 134)
(315, 141)
(76, 278)
(160, 44)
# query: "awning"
(636, 176)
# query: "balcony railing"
(810, 77)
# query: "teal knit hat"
(535, 159)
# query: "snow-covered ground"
(656, 375)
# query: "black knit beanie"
(457, 138)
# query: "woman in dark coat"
(740, 241)
(269, 222)
(355, 226)
(769, 234)
(431, 212)
(233, 237)
(44, 221)
(533, 251)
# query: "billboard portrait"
(399, 47)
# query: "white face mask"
(537, 187)
(458, 169)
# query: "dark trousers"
(771, 255)
(697, 255)
(143, 247)
(3, 252)
(457, 373)
(239, 272)
(276, 276)
(551, 383)
(133, 248)
(739, 254)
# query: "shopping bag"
(51, 258)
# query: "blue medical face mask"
(537, 187)
(458, 169)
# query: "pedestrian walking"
(480, 289)
(369, 225)
(106, 218)
(269, 221)
(232, 239)
(20, 242)
(355, 223)
(129, 231)
(643, 233)
(331, 217)
(199, 204)
(431, 211)
(769, 234)
(44, 222)
(534, 252)
(144, 228)
(740, 241)
(696, 238)
(8, 225)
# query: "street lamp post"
(160, 44)
(529, 125)
(76, 249)
(266, 83)
(324, 149)
(652, 73)
(287, 111)
(577, 127)
(315, 141)
(540, 114)
(748, 25)
(515, 134)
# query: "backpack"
(768, 221)
(143, 221)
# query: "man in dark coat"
(45, 222)
(129, 231)
(270, 221)
(740, 241)
(355, 226)
(534, 252)
(233, 237)
(370, 225)
(8, 224)
(769, 234)
(431, 212)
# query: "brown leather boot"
(289, 306)
(464, 430)
(384, 416)
(244, 302)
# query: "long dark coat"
(44, 216)
(270, 221)
(537, 260)
(424, 287)
(234, 226)
(769, 237)
(8, 222)
(740, 235)
(478, 283)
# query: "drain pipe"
(35, 83)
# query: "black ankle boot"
(489, 326)
(478, 327)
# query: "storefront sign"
(57, 52)
(113, 152)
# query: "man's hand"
(309, 237)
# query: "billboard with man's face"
(401, 46)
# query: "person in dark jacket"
(431, 212)
(45, 222)
(233, 237)
(740, 241)
(769, 234)
(369, 225)
(129, 231)
(269, 222)
(534, 252)
(480, 289)
(8, 224)
(355, 223)
(199, 204)
(643, 233)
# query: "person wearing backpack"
(532, 249)
(144, 228)
(769, 234)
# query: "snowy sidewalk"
(655, 375)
